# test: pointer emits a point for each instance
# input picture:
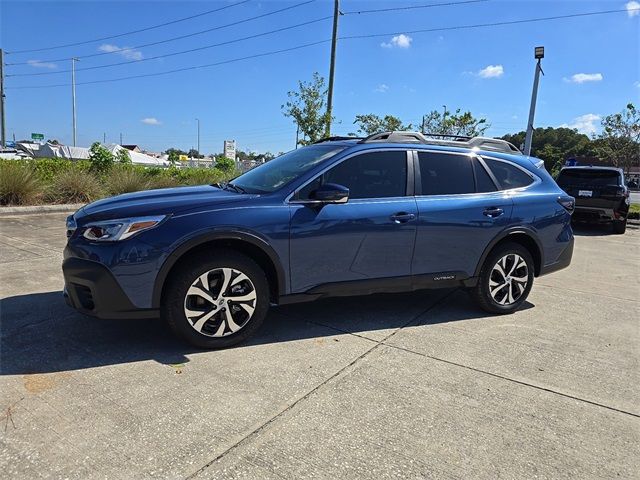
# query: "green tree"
(308, 110)
(123, 156)
(193, 153)
(225, 164)
(619, 141)
(369, 124)
(554, 145)
(173, 157)
(101, 159)
(458, 123)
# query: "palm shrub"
(74, 186)
(19, 184)
(126, 179)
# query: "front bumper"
(92, 289)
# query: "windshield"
(599, 178)
(276, 173)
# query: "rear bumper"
(564, 260)
(92, 289)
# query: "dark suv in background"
(392, 212)
(601, 195)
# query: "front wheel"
(216, 301)
(505, 280)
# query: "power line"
(275, 52)
(411, 7)
(181, 37)
(184, 69)
(191, 50)
(491, 24)
(172, 22)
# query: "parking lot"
(420, 385)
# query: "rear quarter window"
(508, 175)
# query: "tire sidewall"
(180, 282)
(486, 273)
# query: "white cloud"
(151, 121)
(633, 8)
(584, 123)
(127, 52)
(39, 64)
(584, 77)
(491, 71)
(636, 83)
(400, 41)
(382, 88)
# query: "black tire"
(481, 293)
(619, 226)
(175, 293)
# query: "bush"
(74, 186)
(199, 176)
(126, 179)
(19, 184)
(101, 159)
(163, 181)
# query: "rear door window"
(508, 176)
(445, 173)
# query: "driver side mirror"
(331, 193)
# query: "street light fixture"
(539, 53)
(528, 139)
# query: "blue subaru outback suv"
(392, 212)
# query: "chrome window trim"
(408, 154)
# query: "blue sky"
(592, 67)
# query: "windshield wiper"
(235, 188)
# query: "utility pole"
(104, 138)
(332, 66)
(198, 120)
(297, 133)
(539, 55)
(3, 139)
(424, 118)
(73, 95)
(121, 139)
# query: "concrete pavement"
(419, 385)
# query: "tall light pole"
(332, 65)
(198, 120)
(73, 95)
(539, 55)
(3, 138)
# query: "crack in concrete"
(307, 395)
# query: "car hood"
(159, 202)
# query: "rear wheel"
(619, 226)
(216, 302)
(505, 280)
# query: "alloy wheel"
(508, 280)
(220, 302)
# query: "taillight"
(569, 203)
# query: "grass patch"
(74, 186)
(19, 184)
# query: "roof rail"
(335, 139)
(481, 143)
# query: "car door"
(369, 237)
(460, 211)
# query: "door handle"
(493, 212)
(402, 217)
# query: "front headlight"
(120, 229)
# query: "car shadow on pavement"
(598, 230)
(40, 334)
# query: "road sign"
(230, 149)
(37, 136)
(183, 158)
